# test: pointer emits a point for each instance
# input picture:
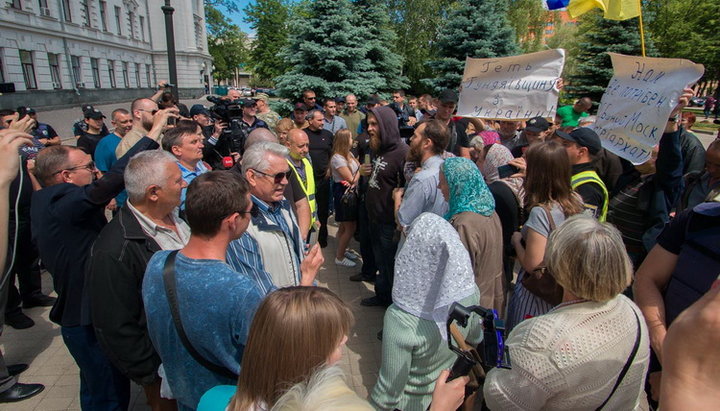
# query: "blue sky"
(237, 18)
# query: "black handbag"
(349, 202)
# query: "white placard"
(638, 101)
(511, 88)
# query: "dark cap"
(372, 100)
(94, 114)
(448, 96)
(86, 108)
(300, 106)
(537, 125)
(584, 137)
(247, 102)
(339, 100)
(28, 110)
(199, 109)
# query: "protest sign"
(637, 102)
(511, 88)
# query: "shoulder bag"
(540, 281)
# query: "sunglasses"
(277, 178)
(89, 166)
(152, 112)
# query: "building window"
(85, 10)
(67, 15)
(54, 62)
(111, 73)
(16, 4)
(126, 79)
(103, 15)
(147, 75)
(118, 20)
(142, 28)
(137, 75)
(96, 72)
(77, 74)
(131, 22)
(44, 10)
(28, 69)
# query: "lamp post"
(170, 37)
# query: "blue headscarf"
(468, 191)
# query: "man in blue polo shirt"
(185, 142)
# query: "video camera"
(406, 131)
(493, 349)
(230, 112)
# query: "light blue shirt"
(422, 193)
(337, 123)
(189, 176)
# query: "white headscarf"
(432, 270)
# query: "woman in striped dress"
(549, 200)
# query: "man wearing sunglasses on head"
(67, 215)
(272, 249)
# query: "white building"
(69, 52)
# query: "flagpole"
(642, 29)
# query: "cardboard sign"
(511, 88)
(638, 101)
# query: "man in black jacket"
(67, 216)
(148, 223)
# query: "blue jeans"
(384, 244)
(102, 387)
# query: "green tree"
(380, 42)
(597, 37)
(269, 19)
(682, 29)
(468, 33)
(326, 53)
(416, 24)
(229, 5)
(528, 18)
(226, 43)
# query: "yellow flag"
(613, 9)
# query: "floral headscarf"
(497, 155)
(468, 191)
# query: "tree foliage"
(380, 41)
(528, 18)
(226, 43)
(269, 19)
(327, 52)
(597, 36)
(468, 33)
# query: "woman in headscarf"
(432, 271)
(471, 211)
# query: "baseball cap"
(537, 125)
(199, 109)
(261, 96)
(584, 137)
(94, 114)
(247, 102)
(339, 99)
(448, 96)
(86, 108)
(372, 100)
(300, 106)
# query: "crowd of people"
(202, 285)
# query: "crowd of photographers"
(527, 242)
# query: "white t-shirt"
(338, 161)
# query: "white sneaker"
(345, 262)
(351, 256)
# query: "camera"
(490, 353)
(406, 131)
(232, 139)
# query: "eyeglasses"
(89, 166)
(277, 178)
(152, 112)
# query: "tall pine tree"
(327, 53)
(380, 42)
(477, 29)
(598, 36)
(269, 19)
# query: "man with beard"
(427, 145)
(142, 111)
(386, 174)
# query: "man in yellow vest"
(582, 145)
(299, 146)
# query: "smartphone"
(366, 160)
(507, 170)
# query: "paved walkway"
(51, 364)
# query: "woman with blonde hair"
(282, 128)
(591, 351)
(549, 200)
(289, 362)
(344, 169)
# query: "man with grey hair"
(272, 248)
(148, 223)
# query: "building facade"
(57, 53)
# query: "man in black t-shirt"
(321, 142)
(459, 143)
(90, 138)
